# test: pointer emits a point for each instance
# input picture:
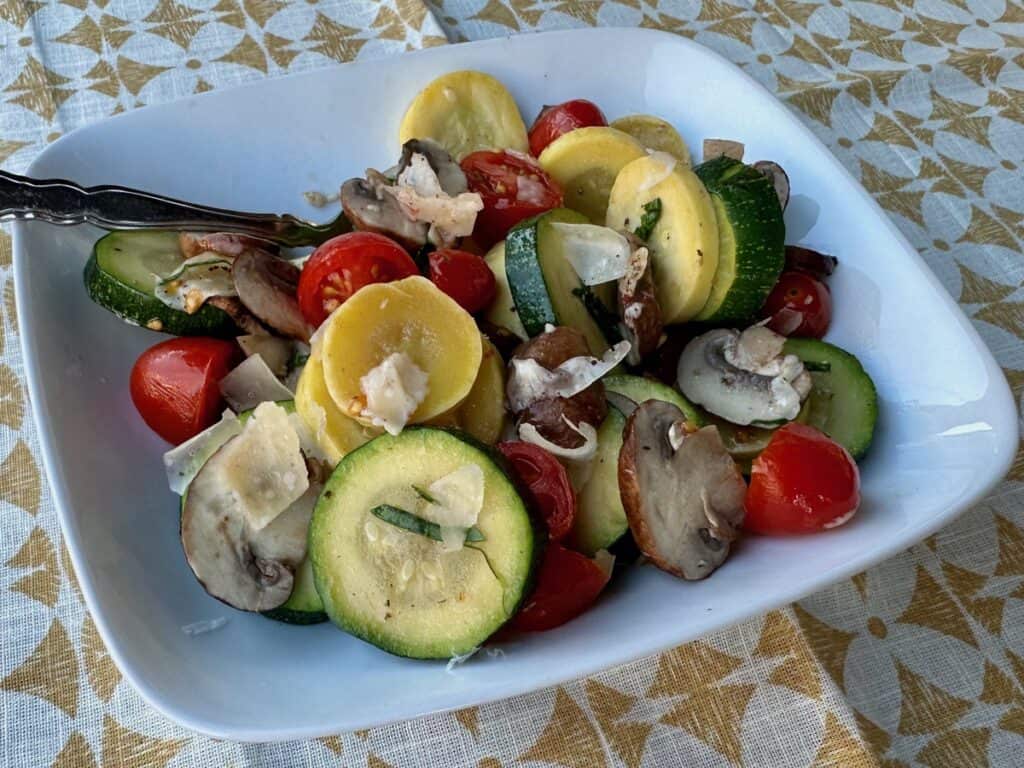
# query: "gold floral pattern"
(917, 662)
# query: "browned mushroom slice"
(222, 243)
(821, 265)
(717, 147)
(638, 307)
(555, 417)
(242, 317)
(370, 210)
(266, 286)
(682, 492)
(249, 569)
(778, 178)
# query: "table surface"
(919, 661)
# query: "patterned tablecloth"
(919, 661)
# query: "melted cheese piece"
(393, 390)
(263, 467)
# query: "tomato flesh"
(512, 186)
(802, 482)
(567, 584)
(553, 121)
(464, 276)
(546, 483)
(175, 385)
(343, 265)
(799, 305)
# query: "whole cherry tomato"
(513, 187)
(464, 276)
(175, 385)
(343, 265)
(802, 482)
(554, 121)
(546, 482)
(799, 305)
(567, 584)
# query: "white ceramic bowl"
(947, 432)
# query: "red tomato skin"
(495, 177)
(175, 385)
(464, 276)
(567, 584)
(343, 265)
(802, 482)
(554, 121)
(800, 292)
(546, 483)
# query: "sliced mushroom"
(266, 286)
(549, 415)
(449, 173)
(821, 265)
(777, 176)
(717, 147)
(638, 307)
(682, 492)
(249, 569)
(372, 210)
(743, 378)
(242, 317)
(222, 243)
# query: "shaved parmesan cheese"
(598, 254)
(183, 462)
(393, 390)
(458, 498)
(421, 197)
(263, 467)
(419, 176)
(454, 661)
(275, 351)
(194, 281)
(666, 163)
(529, 434)
(252, 383)
(529, 381)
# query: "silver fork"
(62, 202)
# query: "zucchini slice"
(683, 242)
(304, 606)
(121, 276)
(843, 402)
(502, 311)
(402, 591)
(640, 389)
(464, 112)
(600, 517)
(585, 163)
(543, 284)
(654, 133)
(752, 236)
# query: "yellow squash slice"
(684, 242)
(464, 112)
(654, 133)
(412, 317)
(334, 432)
(585, 163)
(503, 309)
(482, 413)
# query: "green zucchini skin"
(127, 300)
(843, 402)
(752, 238)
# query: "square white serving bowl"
(946, 435)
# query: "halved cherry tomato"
(799, 305)
(174, 385)
(553, 121)
(464, 276)
(513, 187)
(802, 482)
(567, 584)
(343, 265)
(547, 483)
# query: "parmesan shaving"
(529, 381)
(598, 254)
(528, 434)
(251, 383)
(393, 390)
(194, 281)
(184, 461)
(667, 164)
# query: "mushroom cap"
(248, 569)
(370, 212)
(449, 173)
(684, 506)
(266, 285)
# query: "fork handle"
(62, 202)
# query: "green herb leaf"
(424, 494)
(407, 521)
(652, 213)
(814, 367)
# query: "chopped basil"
(652, 213)
(815, 367)
(415, 524)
